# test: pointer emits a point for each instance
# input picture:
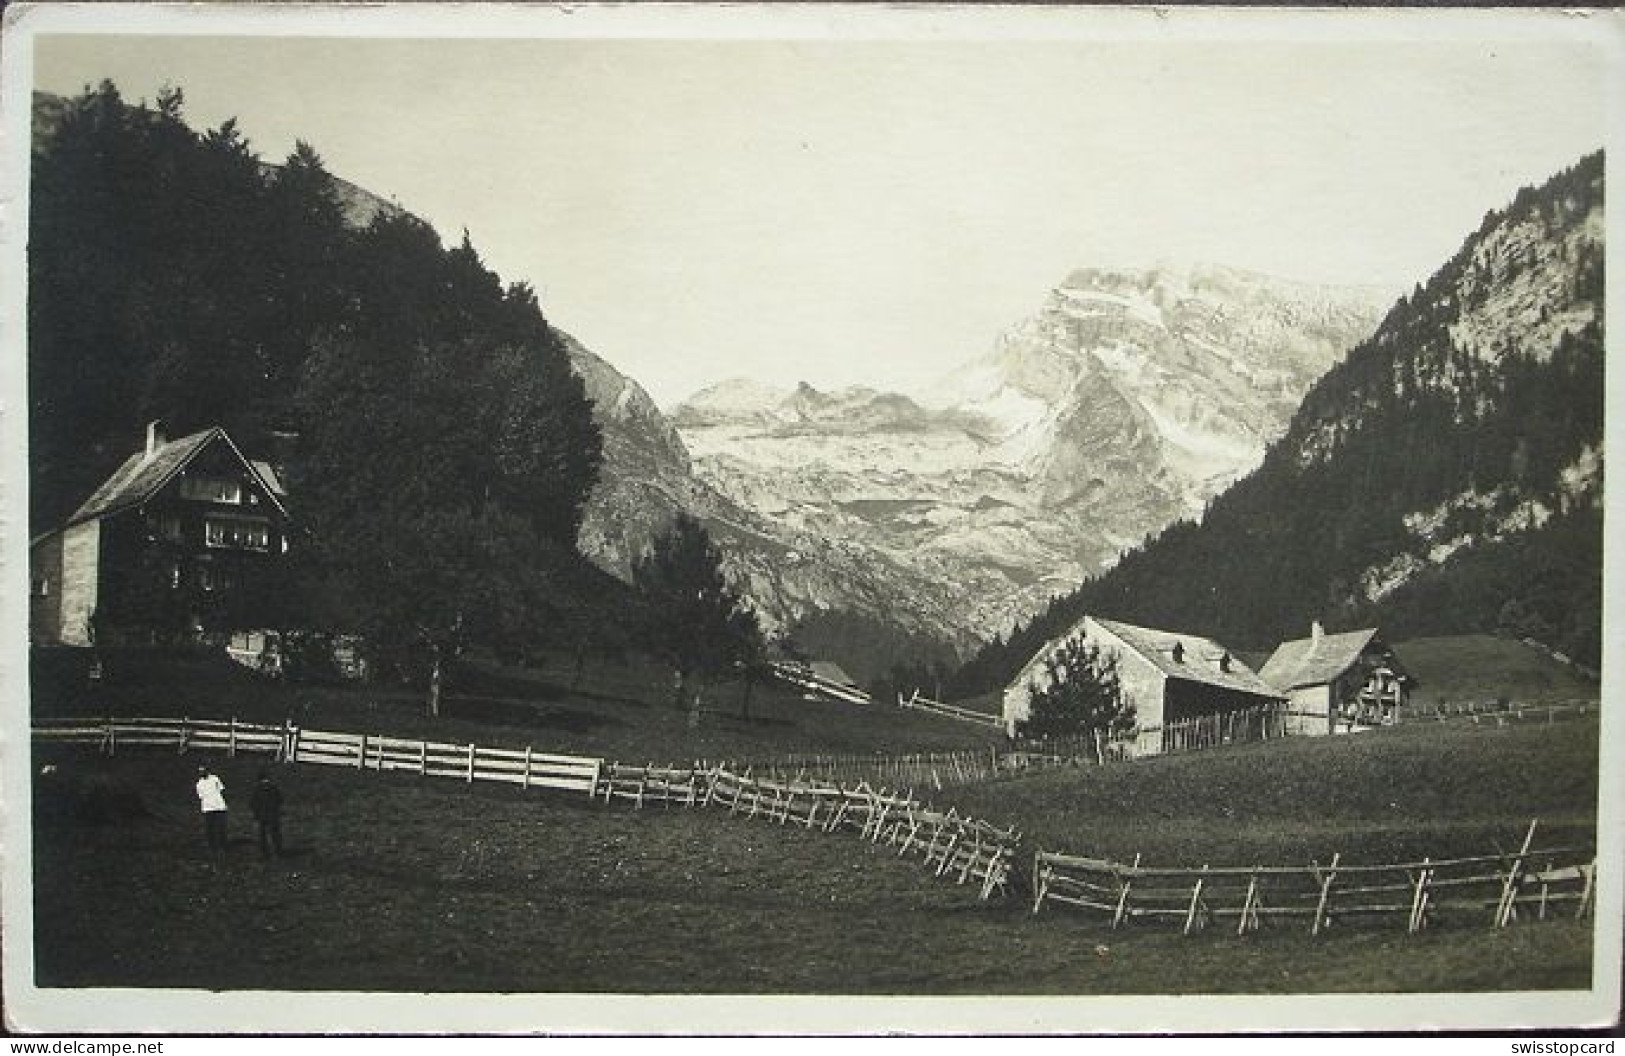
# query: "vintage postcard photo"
(808, 519)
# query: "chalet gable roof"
(1189, 657)
(1200, 660)
(145, 473)
(1315, 660)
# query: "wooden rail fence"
(804, 678)
(952, 845)
(940, 770)
(294, 744)
(1500, 712)
(1534, 882)
(934, 770)
(1499, 887)
(1264, 723)
(915, 702)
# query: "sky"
(876, 209)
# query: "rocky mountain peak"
(1128, 399)
(1444, 477)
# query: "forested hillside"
(1446, 477)
(440, 447)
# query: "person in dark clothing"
(266, 803)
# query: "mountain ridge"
(1444, 478)
(1020, 473)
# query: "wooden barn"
(1168, 676)
(1338, 683)
(176, 528)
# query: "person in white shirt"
(211, 797)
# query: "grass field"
(1484, 667)
(620, 711)
(1385, 795)
(400, 883)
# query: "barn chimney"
(1224, 662)
(1179, 652)
(1316, 633)
(155, 436)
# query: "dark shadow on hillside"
(730, 721)
(523, 713)
(62, 799)
(484, 680)
(610, 698)
(481, 679)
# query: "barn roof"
(830, 671)
(1315, 660)
(1199, 658)
(143, 474)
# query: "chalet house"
(1168, 676)
(1337, 683)
(165, 539)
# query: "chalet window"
(237, 534)
(253, 642)
(212, 489)
(169, 527)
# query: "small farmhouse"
(1168, 676)
(1337, 683)
(167, 538)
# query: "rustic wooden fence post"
(1249, 906)
(1122, 910)
(1325, 879)
(1419, 898)
(1589, 892)
(1507, 908)
(1196, 900)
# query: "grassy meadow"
(396, 882)
(621, 711)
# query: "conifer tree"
(1077, 693)
(693, 619)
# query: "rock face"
(786, 570)
(1128, 400)
(1445, 477)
